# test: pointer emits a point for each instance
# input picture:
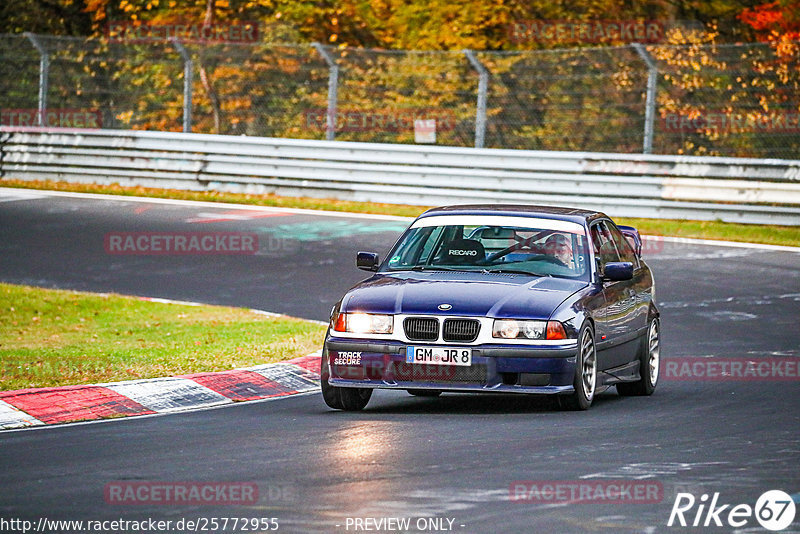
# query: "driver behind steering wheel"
(558, 247)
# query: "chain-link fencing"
(731, 100)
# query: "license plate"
(439, 356)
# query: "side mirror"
(633, 237)
(616, 271)
(367, 261)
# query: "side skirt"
(624, 373)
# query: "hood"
(469, 294)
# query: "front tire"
(649, 361)
(330, 394)
(585, 381)
(348, 399)
(355, 399)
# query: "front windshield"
(539, 247)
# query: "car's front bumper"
(545, 369)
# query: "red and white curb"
(66, 404)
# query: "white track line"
(715, 243)
(207, 204)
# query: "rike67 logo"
(774, 510)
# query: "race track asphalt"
(452, 458)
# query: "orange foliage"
(774, 21)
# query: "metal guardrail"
(673, 187)
(719, 99)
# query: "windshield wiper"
(420, 268)
(511, 271)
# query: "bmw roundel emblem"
(445, 307)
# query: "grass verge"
(750, 233)
(54, 337)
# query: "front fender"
(577, 309)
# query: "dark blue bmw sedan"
(498, 299)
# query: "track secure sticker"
(347, 358)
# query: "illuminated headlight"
(512, 329)
(364, 323)
(517, 329)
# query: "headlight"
(512, 329)
(364, 323)
(517, 329)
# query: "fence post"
(333, 90)
(188, 68)
(483, 87)
(650, 105)
(44, 75)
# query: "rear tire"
(585, 381)
(425, 392)
(649, 361)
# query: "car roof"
(518, 210)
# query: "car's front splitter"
(452, 386)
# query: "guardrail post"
(188, 67)
(4, 137)
(483, 88)
(650, 105)
(44, 75)
(333, 90)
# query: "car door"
(615, 323)
(638, 288)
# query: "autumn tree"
(774, 21)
